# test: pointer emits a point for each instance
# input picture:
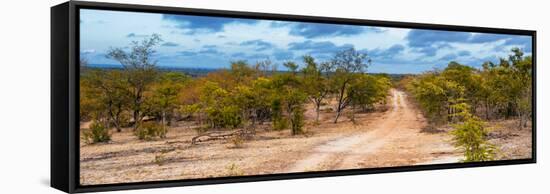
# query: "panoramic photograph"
(180, 97)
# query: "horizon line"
(99, 65)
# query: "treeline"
(243, 96)
(496, 91)
(465, 96)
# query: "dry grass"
(512, 141)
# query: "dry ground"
(512, 142)
(394, 137)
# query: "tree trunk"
(487, 110)
(200, 119)
(509, 110)
(522, 117)
(340, 102)
(137, 105)
(337, 115)
(107, 123)
(117, 118)
(317, 111)
(254, 116)
(136, 118)
(353, 113)
(114, 117)
(117, 123)
(163, 124)
(163, 118)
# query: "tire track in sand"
(376, 147)
(324, 154)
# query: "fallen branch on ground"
(219, 135)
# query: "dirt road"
(395, 139)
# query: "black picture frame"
(64, 95)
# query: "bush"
(97, 133)
(297, 121)
(234, 170)
(471, 137)
(149, 131)
(280, 123)
(237, 141)
(159, 159)
(224, 117)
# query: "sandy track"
(395, 139)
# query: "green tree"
(97, 133)
(220, 111)
(140, 71)
(289, 98)
(291, 66)
(254, 100)
(263, 67)
(294, 100)
(164, 98)
(471, 136)
(347, 64)
(469, 78)
(523, 74)
(242, 72)
(508, 86)
(104, 94)
(367, 90)
(436, 95)
(315, 85)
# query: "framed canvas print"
(147, 96)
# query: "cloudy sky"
(212, 42)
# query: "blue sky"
(212, 42)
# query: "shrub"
(159, 159)
(297, 120)
(150, 130)
(237, 141)
(234, 170)
(279, 121)
(224, 117)
(97, 133)
(471, 137)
